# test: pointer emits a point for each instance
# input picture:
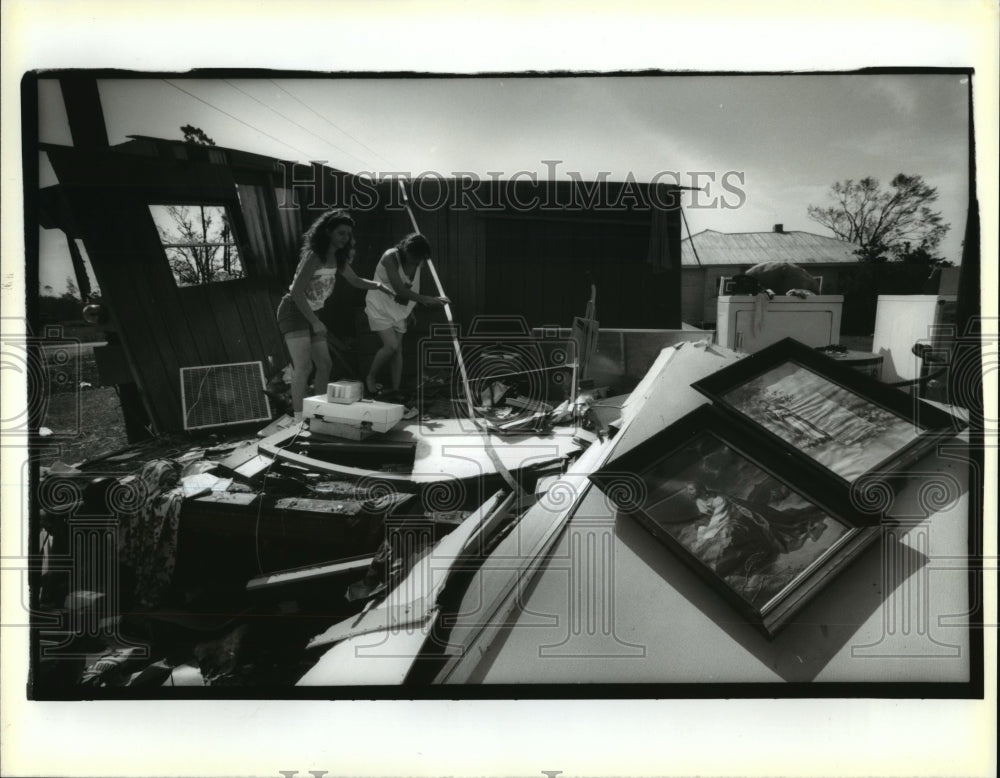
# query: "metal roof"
(751, 248)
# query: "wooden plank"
(310, 575)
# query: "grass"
(85, 422)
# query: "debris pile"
(168, 564)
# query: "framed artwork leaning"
(841, 423)
(739, 513)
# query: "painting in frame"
(732, 508)
(837, 420)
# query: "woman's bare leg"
(390, 348)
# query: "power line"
(305, 154)
(325, 119)
(289, 119)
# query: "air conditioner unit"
(220, 395)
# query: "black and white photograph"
(347, 388)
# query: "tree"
(196, 135)
(196, 245)
(195, 242)
(895, 223)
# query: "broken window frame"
(229, 213)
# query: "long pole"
(447, 312)
(494, 457)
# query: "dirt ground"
(84, 418)
(84, 424)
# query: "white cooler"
(368, 414)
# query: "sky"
(782, 140)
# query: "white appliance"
(749, 323)
(344, 392)
(368, 414)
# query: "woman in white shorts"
(399, 269)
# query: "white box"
(381, 416)
(814, 320)
(903, 320)
(344, 392)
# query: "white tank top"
(381, 305)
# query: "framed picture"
(838, 421)
(737, 513)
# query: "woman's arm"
(362, 283)
(308, 265)
(401, 290)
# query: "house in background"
(710, 255)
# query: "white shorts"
(381, 323)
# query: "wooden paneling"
(541, 269)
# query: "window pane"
(198, 242)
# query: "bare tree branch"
(892, 223)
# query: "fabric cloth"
(148, 521)
(382, 310)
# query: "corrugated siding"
(751, 248)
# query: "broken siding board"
(355, 566)
(155, 358)
(116, 253)
(165, 300)
(210, 342)
(234, 333)
(263, 306)
(155, 290)
(244, 302)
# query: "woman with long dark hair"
(327, 252)
(388, 317)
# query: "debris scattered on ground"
(214, 539)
